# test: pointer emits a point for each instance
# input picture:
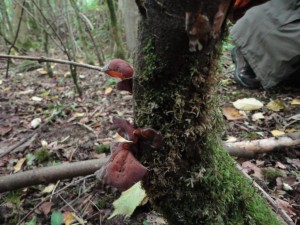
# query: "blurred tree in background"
(89, 30)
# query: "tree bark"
(131, 16)
(191, 179)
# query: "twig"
(46, 59)
(97, 50)
(68, 204)
(87, 128)
(16, 37)
(275, 206)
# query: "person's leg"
(271, 47)
(243, 73)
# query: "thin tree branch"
(50, 174)
(88, 30)
(46, 59)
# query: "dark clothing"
(268, 36)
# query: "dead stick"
(248, 149)
(274, 205)
(50, 174)
(46, 59)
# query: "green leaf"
(30, 158)
(56, 218)
(145, 222)
(31, 222)
(129, 200)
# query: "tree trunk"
(191, 179)
(131, 16)
(115, 30)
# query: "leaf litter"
(68, 140)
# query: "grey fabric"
(268, 36)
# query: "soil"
(74, 128)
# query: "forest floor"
(71, 128)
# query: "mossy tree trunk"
(191, 179)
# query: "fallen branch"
(273, 203)
(249, 149)
(50, 174)
(46, 59)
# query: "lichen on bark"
(191, 180)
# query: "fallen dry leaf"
(79, 114)
(248, 104)
(280, 165)
(42, 71)
(119, 138)
(291, 130)
(286, 207)
(295, 117)
(35, 122)
(290, 180)
(294, 162)
(257, 116)
(36, 99)
(46, 207)
(276, 133)
(233, 114)
(19, 165)
(249, 166)
(4, 129)
(84, 120)
(108, 91)
(26, 92)
(275, 105)
(48, 189)
(231, 139)
(68, 218)
(295, 101)
(286, 187)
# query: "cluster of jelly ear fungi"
(122, 169)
